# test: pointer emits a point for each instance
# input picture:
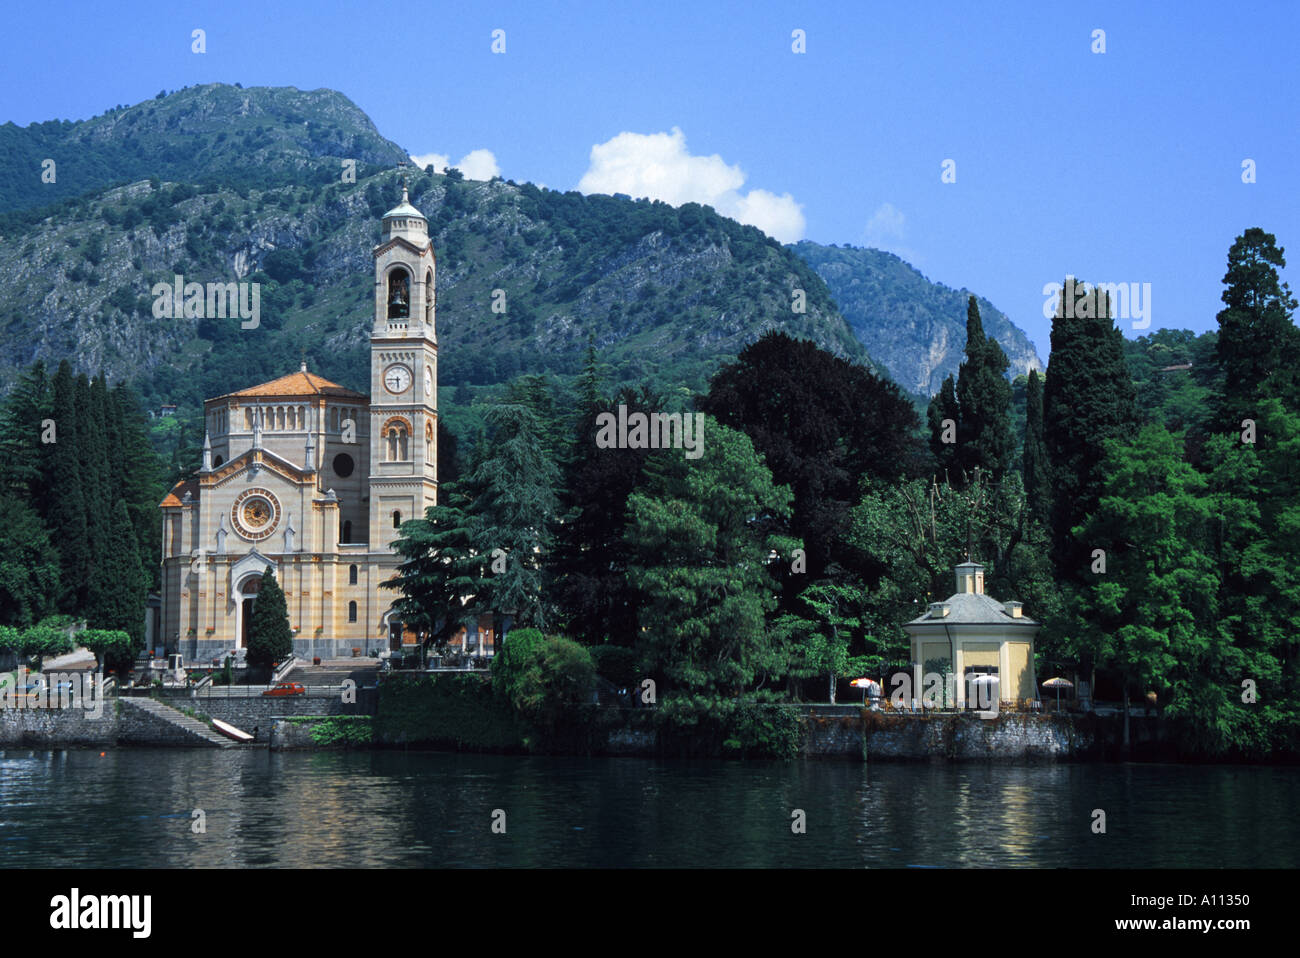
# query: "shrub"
(553, 685)
(344, 730)
(508, 664)
(704, 725)
(453, 711)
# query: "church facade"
(313, 480)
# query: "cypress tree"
(117, 581)
(270, 638)
(984, 437)
(22, 453)
(1088, 398)
(29, 565)
(589, 383)
(141, 480)
(66, 516)
(1258, 347)
(1037, 466)
(93, 466)
(943, 406)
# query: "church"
(313, 480)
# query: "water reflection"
(129, 808)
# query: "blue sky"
(1122, 166)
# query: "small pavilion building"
(976, 634)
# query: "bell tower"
(403, 376)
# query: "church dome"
(405, 221)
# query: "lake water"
(133, 807)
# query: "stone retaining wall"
(1010, 737)
(59, 728)
(256, 715)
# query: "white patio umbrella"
(865, 685)
(1058, 683)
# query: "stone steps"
(187, 731)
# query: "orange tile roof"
(296, 385)
(174, 497)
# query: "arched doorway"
(246, 597)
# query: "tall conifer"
(1088, 398)
(1258, 346)
(66, 517)
(984, 437)
(943, 408)
(1037, 465)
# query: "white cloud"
(887, 230)
(658, 166)
(476, 164)
(440, 161)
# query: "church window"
(347, 531)
(343, 465)
(217, 461)
(352, 575)
(352, 611)
(428, 297)
(399, 294)
(397, 519)
(399, 444)
(248, 418)
(334, 419)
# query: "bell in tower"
(399, 294)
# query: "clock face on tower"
(428, 380)
(397, 379)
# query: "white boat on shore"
(230, 731)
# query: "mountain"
(667, 294)
(262, 136)
(218, 183)
(915, 328)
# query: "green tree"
(557, 678)
(441, 576)
(113, 648)
(1258, 346)
(1088, 399)
(944, 409)
(118, 584)
(39, 641)
(1037, 465)
(519, 649)
(984, 439)
(819, 644)
(29, 565)
(701, 560)
(270, 638)
(1152, 614)
(513, 505)
(803, 410)
(595, 600)
(22, 423)
(66, 494)
(1256, 544)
